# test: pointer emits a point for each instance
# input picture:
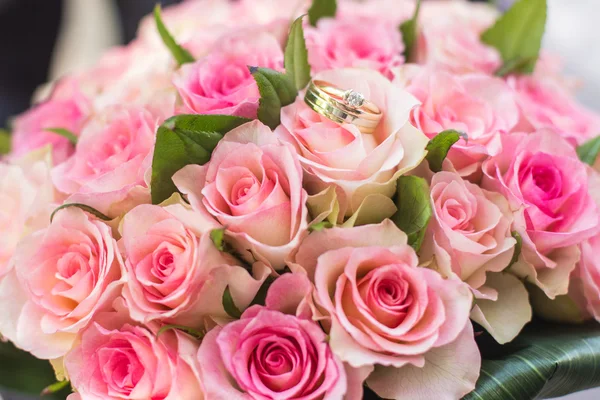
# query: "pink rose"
(481, 106)
(469, 237)
(116, 359)
(220, 82)
(588, 274)
(62, 277)
(174, 272)
(354, 42)
(385, 310)
(393, 11)
(450, 37)
(270, 353)
(541, 174)
(112, 156)
(253, 186)
(66, 109)
(544, 103)
(358, 165)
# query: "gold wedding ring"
(342, 106)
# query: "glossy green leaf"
(588, 152)
(409, 30)
(229, 305)
(414, 209)
(277, 90)
(183, 140)
(438, 147)
(517, 35)
(181, 55)
(67, 134)
(84, 207)
(186, 329)
(296, 56)
(321, 9)
(545, 360)
(5, 144)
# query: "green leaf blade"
(229, 305)
(517, 35)
(186, 329)
(588, 152)
(67, 134)
(438, 147)
(181, 55)
(276, 91)
(296, 56)
(414, 209)
(409, 33)
(321, 9)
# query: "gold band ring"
(342, 106)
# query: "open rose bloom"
(177, 222)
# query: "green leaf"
(438, 147)
(546, 360)
(296, 56)
(321, 9)
(181, 55)
(319, 226)
(184, 140)
(217, 236)
(517, 35)
(229, 305)
(409, 32)
(588, 152)
(518, 247)
(276, 91)
(190, 331)
(414, 209)
(5, 144)
(54, 388)
(84, 207)
(64, 133)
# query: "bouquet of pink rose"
(248, 202)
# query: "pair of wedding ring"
(342, 106)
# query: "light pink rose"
(358, 165)
(62, 277)
(392, 11)
(546, 104)
(220, 82)
(116, 359)
(588, 274)
(271, 353)
(253, 186)
(450, 37)
(173, 270)
(541, 175)
(372, 43)
(481, 106)
(66, 109)
(112, 156)
(385, 310)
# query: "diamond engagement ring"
(342, 106)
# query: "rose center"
(548, 180)
(120, 367)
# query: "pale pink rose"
(273, 352)
(173, 270)
(478, 105)
(546, 104)
(272, 15)
(392, 11)
(26, 197)
(541, 175)
(221, 82)
(361, 42)
(382, 309)
(357, 164)
(62, 277)
(66, 109)
(116, 359)
(588, 272)
(450, 37)
(111, 159)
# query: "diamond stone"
(354, 99)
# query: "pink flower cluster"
(312, 292)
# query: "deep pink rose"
(470, 237)
(220, 82)
(252, 186)
(116, 359)
(111, 159)
(173, 270)
(385, 310)
(354, 42)
(357, 164)
(62, 277)
(65, 109)
(481, 106)
(542, 177)
(544, 103)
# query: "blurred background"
(46, 39)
